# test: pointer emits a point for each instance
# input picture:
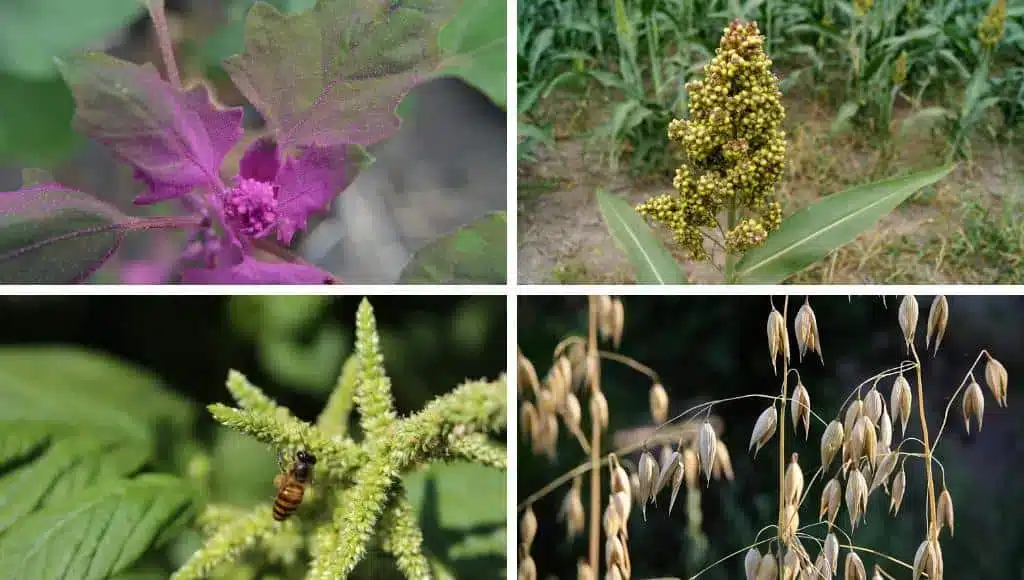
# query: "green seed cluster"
(990, 29)
(862, 7)
(899, 71)
(733, 149)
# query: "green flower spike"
(733, 151)
(357, 499)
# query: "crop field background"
(871, 90)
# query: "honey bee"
(291, 483)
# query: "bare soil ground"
(964, 230)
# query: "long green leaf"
(98, 533)
(808, 235)
(653, 263)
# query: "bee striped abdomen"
(288, 499)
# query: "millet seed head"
(733, 147)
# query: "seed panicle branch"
(358, 483)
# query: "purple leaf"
(175, 140)
(261, 161)
(253, 271)
(308, 182)
(50, 234)
(336, 73)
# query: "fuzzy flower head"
(732, 147)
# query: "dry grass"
(864, 450)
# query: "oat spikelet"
(583, 571)
(831, 442)
(669, 464)
(873, 405)
(856, 496)
(778, 341)
(764, 429)
(908, 318)
(973, 404)
(527, 374)
(659, 403)
(646, 471)
(790, 524)
(723, 462)
(945, 509)
(900, 401)
(886, 465)
(854, 567)
(800, 408)
(938, 316)
(707, 445)
(806, 326)
(924, 559)
(884, 431)
(751, 562)
(528, 422)
(528, 528)
(527, 568)
(853, 412)
(794, 481)
(995, 377)
(831, 551)
(831, 496)
(618, 321)
(571, 511)
(691, 467)
(677, 484)
(899, 485)
(572, 412)
(599, 409)
(768, 569)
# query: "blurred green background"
(711, 347)
(293, 348)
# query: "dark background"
(707, 347)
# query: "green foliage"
(36, 125)
(473, 254)
(473, 43)
(811, 233)
(462, 512)
(32, 32)
(229, 38)
(358, 497)
(76, 428)
(654, 264)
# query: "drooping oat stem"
(594, 377)
(158, 14)
(933, 531)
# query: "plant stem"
(782, 436)
(158, 15)
(730, 223)
(164, 223)
(595, 443)
(933, 531)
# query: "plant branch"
(595, 441)
(158, 14)
(933, 530)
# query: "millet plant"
(734, 156)
(864, 452)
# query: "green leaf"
(462, 513)
(33, 32)
(19, 439)
(811, 233)
(98, 533)
(35, 127)
(74, 386)
(229, 38)
(335, 73)
(73, 462)
(473, 254)
(653, 263)
(473, 43)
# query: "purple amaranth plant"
(327, 80)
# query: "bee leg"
(280, 460)
(278, 480)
